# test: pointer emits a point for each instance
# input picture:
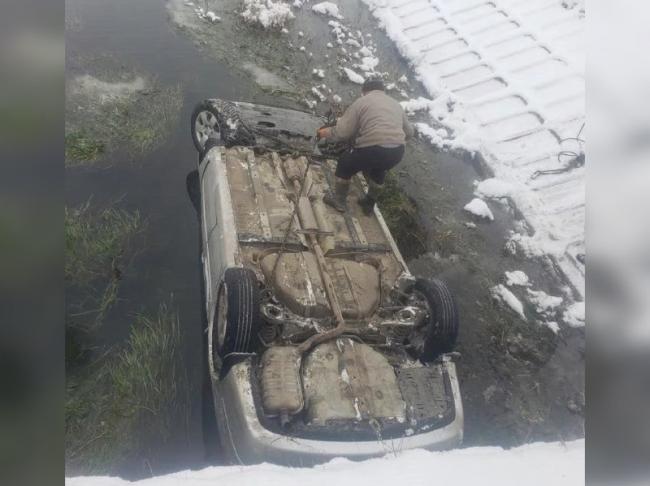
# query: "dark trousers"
(374, 161)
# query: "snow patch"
(517, 277)
(494, 188)
(316, 92)
(327, 8)
(467, 466)
(438, 137)
(211, 16)
(552, 325)
(104, 91)
(574, 315)
(544, 303)
(267, 13)
(266, 78)
(368, 63)
(479, 208)
(364, 51)
(504, 295)
(490, 103)
(353, 76)
(443, 111)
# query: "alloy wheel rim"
(205, 125)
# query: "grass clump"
(401, 216)
(119, 113)
(96, 245)
(95, 242)
(146, 374)
(127, 399)
(143, 120)
(80, 148)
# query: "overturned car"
(320, 341)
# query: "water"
(223, 61)
(138, 35)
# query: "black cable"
(576, 160)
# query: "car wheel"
(237, 317)
(442, 324)
(204, 122)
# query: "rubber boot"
(368, 202)
(337, 199)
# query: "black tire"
(443, 323)
(205, 114)
(236, 326)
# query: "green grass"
(96, 246)
(145, 375)
(128, 127)
(401, 216)
(127, 399)
(145, 120)
(95, 241)
(81, 148)
(143, 138)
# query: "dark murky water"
(139, 36)
(506, 401)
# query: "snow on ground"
(104, 91)
(479, 208)
(574, 316)
(552, 325)
(368, 63)
(457, 132)
(517, 277)
(534, 464)
(494, 188)
(213, 17)
(353, 76)
(507, 79)
(267, 13)
(504, 295)
(544, 303)
(327, 8)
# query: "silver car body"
(244, 431)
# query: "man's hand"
(323, 132)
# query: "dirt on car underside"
(360, 258)
(363, 382)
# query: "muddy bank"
(305, 59)
(520, 380)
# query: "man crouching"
(379, 128)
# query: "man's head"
(372, 85)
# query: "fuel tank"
(338, 381)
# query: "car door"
(220, 246)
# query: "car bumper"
(247, 441)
